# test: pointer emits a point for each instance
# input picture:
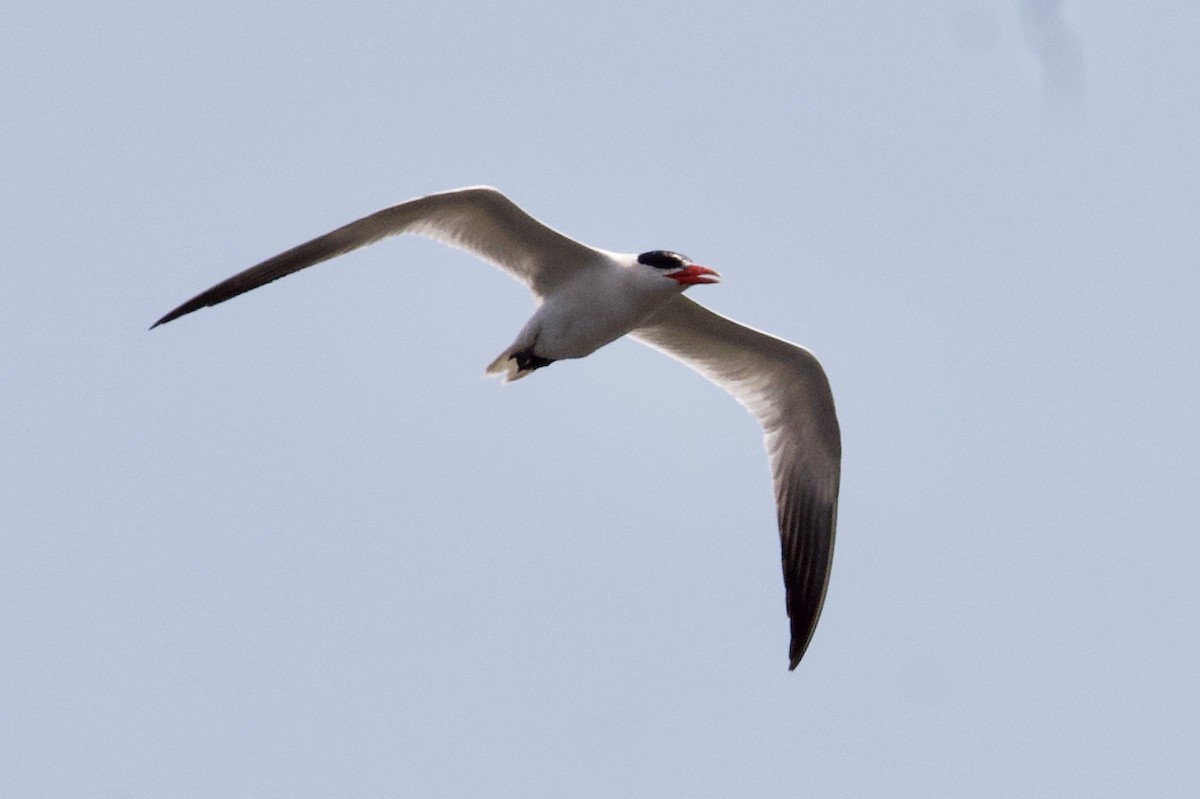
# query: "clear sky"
(296, 546)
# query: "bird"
(588, 297)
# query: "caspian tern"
(588, 298)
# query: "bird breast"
(584, 316)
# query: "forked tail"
(515, 363)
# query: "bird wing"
(783, 385)
(479, 220)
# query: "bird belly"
(576, 330)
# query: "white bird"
(589, 297)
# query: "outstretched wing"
(783, 385)
(479, 220)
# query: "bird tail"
(516, 362)
(505, 367)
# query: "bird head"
(678, 267)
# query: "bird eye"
(662, 259)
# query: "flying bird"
(587, 298)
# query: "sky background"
(295, 546)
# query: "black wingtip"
(801, 638)
(162, 321)
(795, 655)
(182, 310)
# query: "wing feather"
(479, 220)
(785, 388)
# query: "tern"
(587, 298)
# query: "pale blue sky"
(295, 546)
